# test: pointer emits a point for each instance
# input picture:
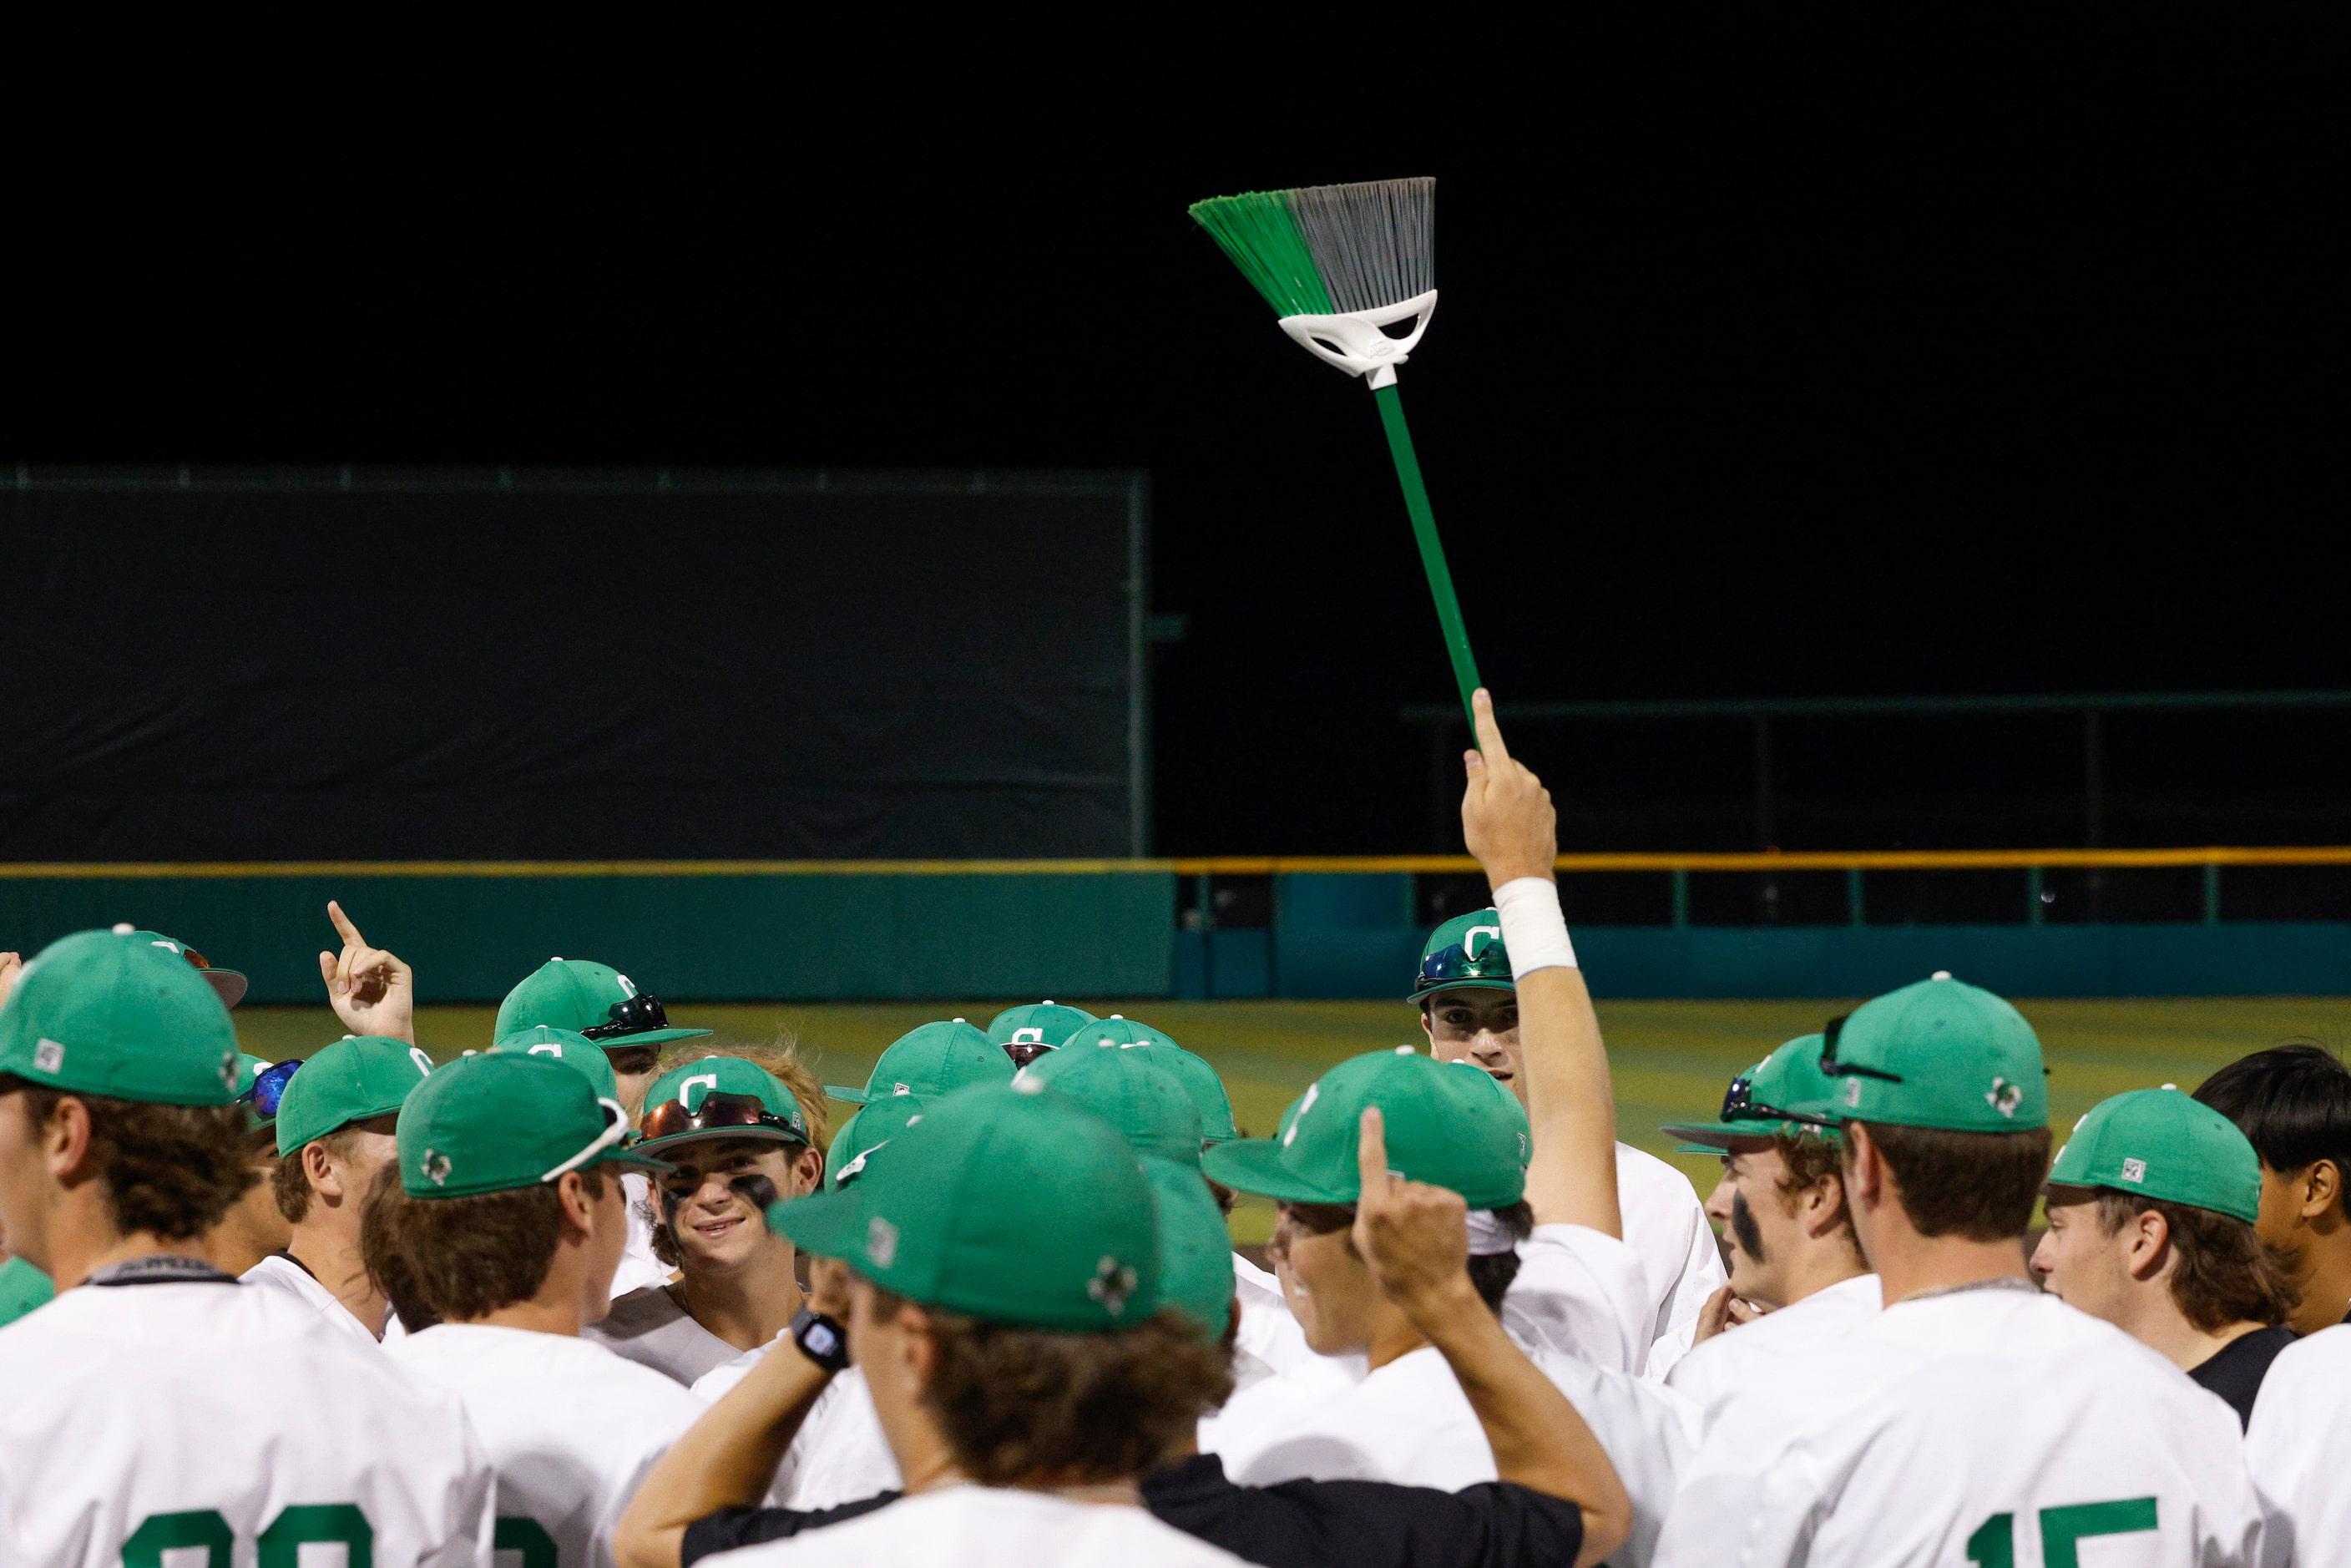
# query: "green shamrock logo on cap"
(435, 1167)
(1112, 1283)
(2004, 1097)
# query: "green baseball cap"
(98, 1013)
(228, 984)
(1465, 953)
(867, 1131)
(1125, 1089)
(1046, 1023)
(1447, 1125)
(23, 1288)
(2164, 1145)
(1004, 1202)
(358, 1076)
(1199, 1079)
(1784, 1093)
(933, 1059)
(1938, 1053)
(679, 1101)
(1196, 1249)
(502, 1120)
(589, 998)
(569, 1049)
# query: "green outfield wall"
(816, 931)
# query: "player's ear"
(65, 1142)
(808, 1171)
(579, 1208)
(2322, 1188)
(2150, 1238)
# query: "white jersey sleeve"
(1581, 1292)
(2300, 1432)
(2020, 1429)
(1665, 1223)
(1809, 1332)
(569, 1428)
(639, 1268)
(156, 1418)
(841, 1453)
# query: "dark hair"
(2226, 1274)
(1809, 1160)
(291, 1185)
(1022, 1404)
(1978, 1186)
(170, 1171)
(1491, 1273)
(463, 1257)
(2292, 1102)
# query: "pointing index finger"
(1371, 1157)
(343, 927)
(1489, 733)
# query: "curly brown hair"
(464, 1258)
(168, 1171)
(2226, 1273)
(1808, 1160)
(1023, 1404)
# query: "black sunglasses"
(1835, 1068)
(1740, 1105)
(636, 1015)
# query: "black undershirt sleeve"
(732, 1527)
(1366, 1524)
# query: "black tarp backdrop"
(409, 668)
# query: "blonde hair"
(781, 1058)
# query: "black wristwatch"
(822, 1339)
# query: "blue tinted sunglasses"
(268, 1089)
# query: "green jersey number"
(279, 1546)
(2063, 1530)
(520, 1533)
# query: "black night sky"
(1773, 364)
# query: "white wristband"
(1533, 928)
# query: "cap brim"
(633, 1154)
(1254, 1166)
(823, 1224)
(1426, 991)
(1712, 1136)
(227, 983)
(711, 1134)
(651, 1037)
(845, 1094)
(1696, 1149)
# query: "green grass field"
(1671, 1058)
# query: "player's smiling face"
(716, 1202)
(1759, 1233)
(1478, 1025)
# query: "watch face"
(819, 1340)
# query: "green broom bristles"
(1320, 250)
(1261, 233)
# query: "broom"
(1339, 264)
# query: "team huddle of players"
(598, 1295)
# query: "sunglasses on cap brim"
(1448, 965)
(268, 1089)
(742, 1115)
(1740, 1105)
(635, 1014)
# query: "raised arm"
(1416, 1237)
(727, 1459)
(1510, 825)
(372, 991)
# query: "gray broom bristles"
(1375, 244)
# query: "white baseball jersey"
(1409, 1423)
(1268, 1340)
(639, 1268)
(1664, 1222)
(571, 1429)
(990, 1527)
(1806, 1334)
(1993, 1427)
(647, 1326)
(280, 1272)
(2300, 1432)
(146, 1422)
(1581, 1292)
(838, 1456)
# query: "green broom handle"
(1432, 552)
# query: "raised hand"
(1506, 814)
(370, 990)
(1415, 1236)
(12, 965)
